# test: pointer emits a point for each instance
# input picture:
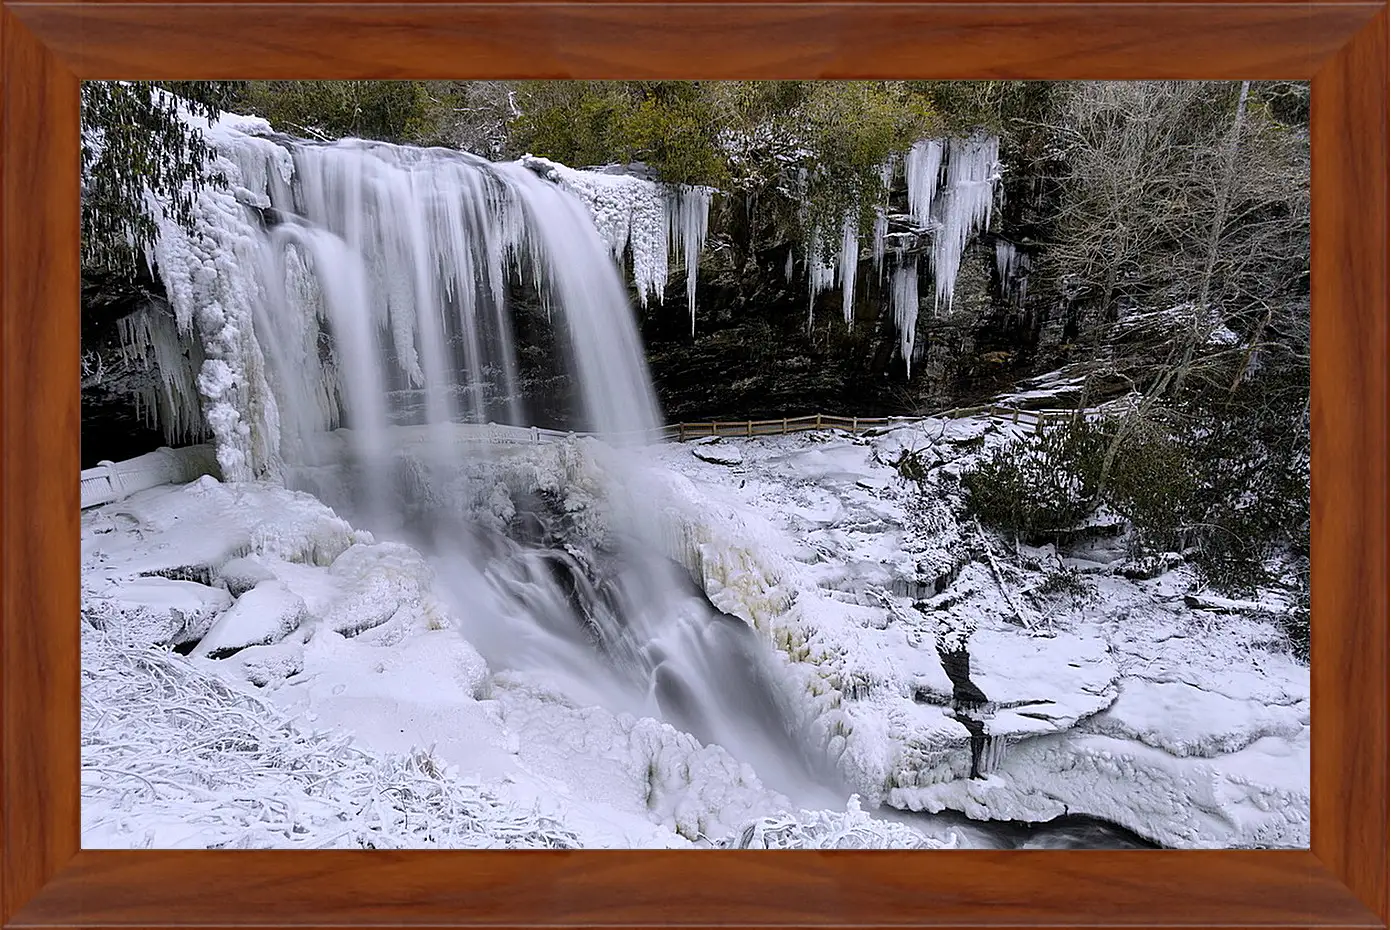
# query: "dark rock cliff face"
(113, 424)
(754, 356)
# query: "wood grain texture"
(702, 40)
(44, 881)
(608, 888)
(1349, 500)
(38, 465)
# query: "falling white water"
(643, 219)
(904, 297)
(362, 283)
(369, 272)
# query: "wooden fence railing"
(680, 432)
(115, 480)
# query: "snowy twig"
(1025, 618)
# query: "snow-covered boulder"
(718, 454)
(378, 581)
(1186, 720)
(265, 614)
(155, 610)
(242, 574)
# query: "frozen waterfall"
(362, 284)
(349, 307)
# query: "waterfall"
(365, 284)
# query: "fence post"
(818, 421)
(784, 426)
(1016, 414)
(748, 428)
(854, 425)
(113, 478)
(1038, 428)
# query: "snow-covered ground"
(331, 695)
(1186, 726)
(353, 712)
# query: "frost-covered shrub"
(173, 756)
(912, 465)
(1047, 482)
(1295, 624)
(1067, 584)
(852, 829)
(1152, 485)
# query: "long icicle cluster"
(951, 190)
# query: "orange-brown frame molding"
(47, 880)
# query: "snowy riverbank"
(1188, 727)
(353, 712)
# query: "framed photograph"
(689, 463)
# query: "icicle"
(1004, 260)
(1013, 268)
(963, 207)
(921, 167)
(849, 264)
(150, 339)
(692, 224)
(820, 275)
(214, 299)
(787, 271)
(904, 299)
(886, 175)
(881, 231)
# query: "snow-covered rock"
(265, 614)
(154, 610)
(718, 454)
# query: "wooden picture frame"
(48, 46)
